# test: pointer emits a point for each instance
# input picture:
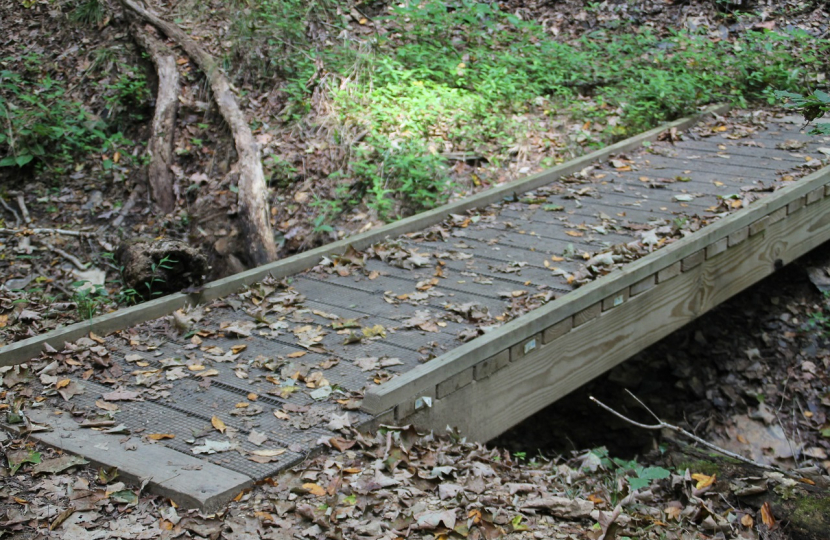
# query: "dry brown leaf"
(315, 489)
(218, 424)
(297, 354)
(703, 480)
(160, 436)
(766, 516)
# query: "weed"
(89, 12)
(129, 93)
(89, 299)
(41, 125)
(813, 105)
(166, 263)
(402, 171)
(819, 321)
(328, 212)
(281, 172)
(635, 475)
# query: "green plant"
(89, 299)
(403, 171)
(328, 211)
(280, 172)
(812, 106)
(820, 320)
(129, 92)
(634, 474)
(40, 124)
(166, 263)
(88, 12)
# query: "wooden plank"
(693, 260)
(524, 388)
(559, 329)
(815, 195)
(744, 167)
(733, 148)
(717, 247)
(23, 350)
(669, 272)
(738, 236)
(487, 367)
(777, 215)
(520, 350)
(587, 314)
(759, 226)
(430, 374)
(643, 285)
(614, 300)
(796, 205)
(455, 383)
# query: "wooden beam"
(21, 351)
(493, 404)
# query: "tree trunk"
(160, 146)
(253, 194)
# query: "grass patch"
(43, 127)
(466, 76)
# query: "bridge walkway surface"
(476, 316)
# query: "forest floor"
(335, 136)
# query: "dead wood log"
(160, 146)
(253, 194)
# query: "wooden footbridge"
(473, 315)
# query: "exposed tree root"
(160, 146)
(253, 200)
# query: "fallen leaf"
(217, 423)
(766, 516)
(120, 395)
(314, 489)
(703, 480)
(160, 436)
(59, 464)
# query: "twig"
(677, 429)
(12, 210)
(69, 257)
(65, 232)
(23, 210)
(127, 206)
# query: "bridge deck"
(477, 321)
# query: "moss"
(700, 466)
(811, 510)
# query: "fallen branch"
(160, 146)
(23, 210)
(253, 200)
(128, 206)
(677, 429)
(12, 211)
(64, 232)
(68, 256)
